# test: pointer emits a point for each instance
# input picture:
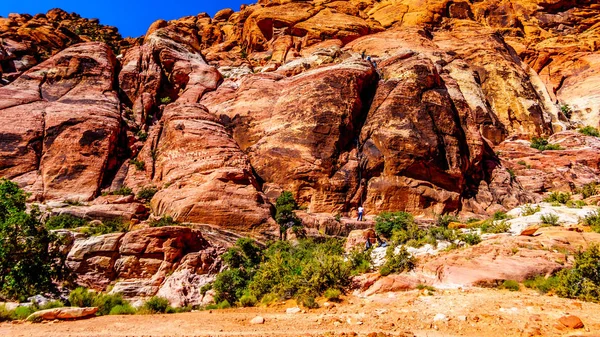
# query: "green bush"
(397, 263)
(549, 219)
(23, 312)
(566, 110)
(511, 173)
(576, 203)
(221, 305)
(52, 305)
(82, 297)
(108, 226)
(269, 298)
(122, 309)
(522, 162)
(165, 100)
(123, 190)
(65, 221)
(285, 205)
(445, 220)
(360, 261)
(165, 220)
(248, 300)
(471, 239)
(142, 136)
(530, 210)
(583, 280)
(147, 193)
(156, 305)
(593, 220)
(106, 303)
(542, 284)
(589, 131)
(139, 164)
(332, 294)
(588, 190)
(559, 197)
(542, 144)
(309, 302)
(499, 215)
(30, 259)
(5, 314)
(205, 288)
(387, 222)
(495, 227)
(510, 285)
(422, 286)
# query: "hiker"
(368, 244)
(362, 56)
(380, 243)
(361, 211)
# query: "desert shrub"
(165, 100)
(142, 136)
(230, 285)
(30, 261)
(205, 288)
(242, 260)
(52, 305)
(471, 239)
(445, 220)
(65, 221)
(221, 305)
(589, 131)
(542, 284)
(387, 222)
(559, 197)
(566, 110)
(248, 300)
(360, 261)
(309, 301)
(122, 309)
(156, 305)
(165, 220)
(530, 210)
(106, 303)
(499, 215)
(592, 220)
(123, 190)
(139, 164)
(179, 310)
(332, 294)
(23, 312)
(82, 297)
(576, 203)
(147, 193)
(285, 205)
(511, 173)
(108, 226)
(495, 227)
(5, 314)
(542, 144)
(511, 285)
(269, 298)
(549, 219)
(583, 280)
(588, 190)
(397, 262)
(422, 286)
(472, 220)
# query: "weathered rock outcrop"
(60, 123)
(175, 260)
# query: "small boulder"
(440, 317)
(292, 311)
(257, 320)
(62, 313)
(571, 322)
(530, 231)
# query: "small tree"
(387, 222)
(284, 213)
(29, 260)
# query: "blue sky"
(132, 17)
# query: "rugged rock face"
(395, 105)
(176, 261)
(27, 40)
(60, 125)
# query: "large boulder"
(65, 313)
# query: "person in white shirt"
(361, 211)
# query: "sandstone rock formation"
(222, 114)
(172, 261)
(66, 313)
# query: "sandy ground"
(476, 312)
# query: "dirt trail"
(477, 312)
